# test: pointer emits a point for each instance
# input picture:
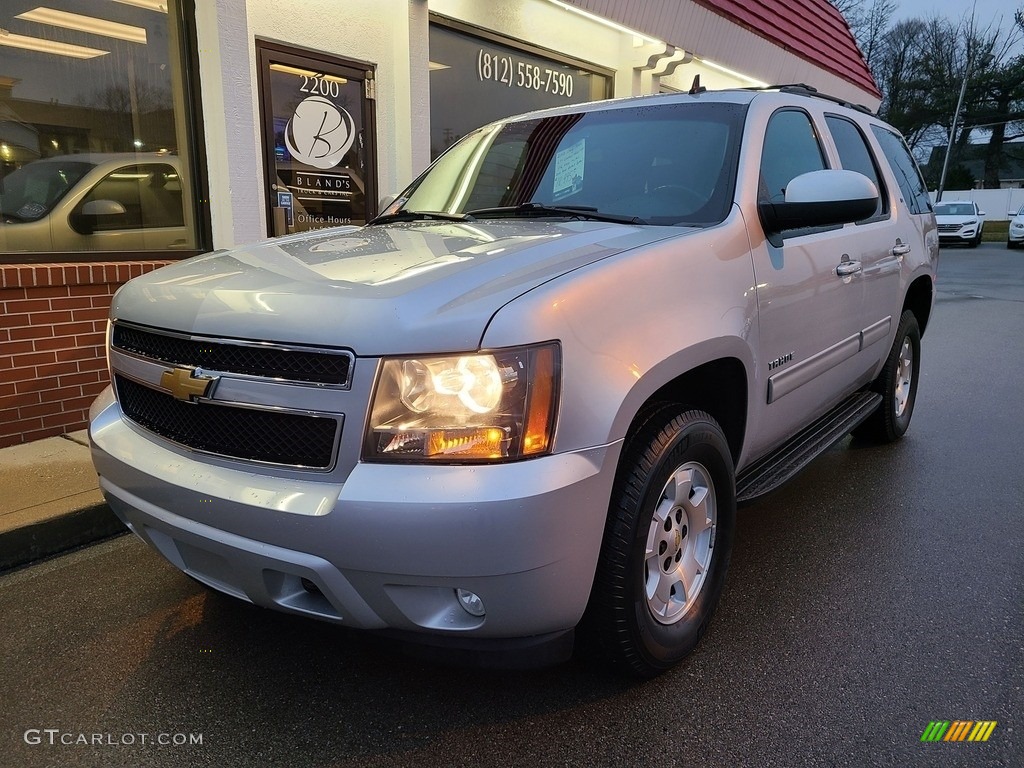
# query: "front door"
(810, 304)
(318, 139)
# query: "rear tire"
(897, 384)
(667, 542)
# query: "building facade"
(135, 132)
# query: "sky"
(986, 10)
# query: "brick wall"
(52, 358)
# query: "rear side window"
(905, 169)
(855, 155)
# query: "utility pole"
(956, 113)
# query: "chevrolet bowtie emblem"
(185, 383)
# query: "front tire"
(667, 542)
(897, 384)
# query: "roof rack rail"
(809, 90)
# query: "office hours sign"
(318, 140)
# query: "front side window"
(791, 148)
(142, 197)
(666, 164)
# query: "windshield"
(954, 209)
(30, 192)
(666, 164)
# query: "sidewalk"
(50, 500)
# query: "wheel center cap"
(679, 538)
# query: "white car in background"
(1015, 236)
(959, 221)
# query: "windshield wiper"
(420, 216)
(575, 211)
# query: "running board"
(768, 473)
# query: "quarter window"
(904, 168)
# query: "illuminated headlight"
(490, 406)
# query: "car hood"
(392, 289)
(947, 219)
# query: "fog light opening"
(310, 587)
(470, 602)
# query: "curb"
(58, 535)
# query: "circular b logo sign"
(319, 133)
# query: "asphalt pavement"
(881, 590)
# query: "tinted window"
(790, 149)
(855, 156)
(905, 169)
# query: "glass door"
(318, 139)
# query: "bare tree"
(868, 21)
(905, 91)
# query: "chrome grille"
(247, 358)
(271, 436)
(948, 227)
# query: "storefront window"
(94, 127)
(475, 80)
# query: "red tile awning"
(811, 29)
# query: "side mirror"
(103, 208)
(820, 199)
(85, 221)
(981, 213)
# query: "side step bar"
(771, 471)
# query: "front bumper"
(965, 235)
(384, 550)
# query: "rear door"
(883, 239)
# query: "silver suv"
(527, 398)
